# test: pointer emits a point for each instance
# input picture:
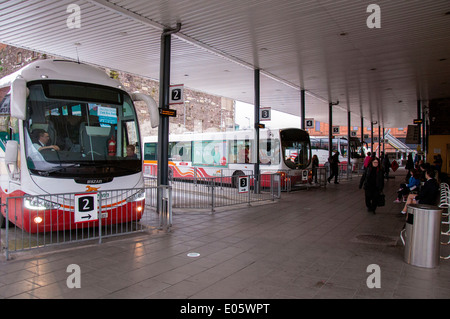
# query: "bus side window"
(243, 152)
(233, 152)
(4, 118)
(150, 153)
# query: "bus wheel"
(235, 178)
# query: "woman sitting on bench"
(413, 185)
(428, 193)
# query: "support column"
(257, 108)
(349, 158)
(330, 129)
(362, 133)
(302, 109)
(379, 141)
(371, 138)
(421, 126)
(163, 128)
(426, 132)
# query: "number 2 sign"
(86, 209)
(176, 94)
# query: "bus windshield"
(80, 130)
(296, 148)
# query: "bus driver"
(42, 141)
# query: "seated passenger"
(428, 193)
(405, 189)
(42, 139)
(131, 152)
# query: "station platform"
(315, 243)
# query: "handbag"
(381, 200)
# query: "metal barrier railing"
(303, 179)
(39, 221)
(212, 192)
(46, 220)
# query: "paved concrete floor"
(310, 244)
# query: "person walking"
(373, 183)
(334, 166)
(315, 165)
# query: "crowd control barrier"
(33, 222)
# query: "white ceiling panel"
(322, 46)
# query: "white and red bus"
(88, 120)
(319, 147)
(232, 153)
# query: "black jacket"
(379, 180)
(428, 192)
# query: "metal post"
(163, 128)
(271, 186)
(169, 189)
(257, 107)
(362, 132)
(7, 229)
(371, 137)
(379, 141)
(421, 126)
(249, 192)
(212, 199)
(349, 159)
(426, 134)
(99, 196)
(302, 109)
(330, 129)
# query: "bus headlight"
(139, 196)
(35, 203)
(37, 219)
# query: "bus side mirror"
(19, 98)
(151, 105)
(11, 157)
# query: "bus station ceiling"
(322, 46)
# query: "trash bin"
(421, 236)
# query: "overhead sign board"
(353, 133)
(243, 184)
(86, 209)
(309, 123)
(264, 114)
(412, 135)
(418, 121)
(176, 95)
(336, 130)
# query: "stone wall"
(201, 111)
